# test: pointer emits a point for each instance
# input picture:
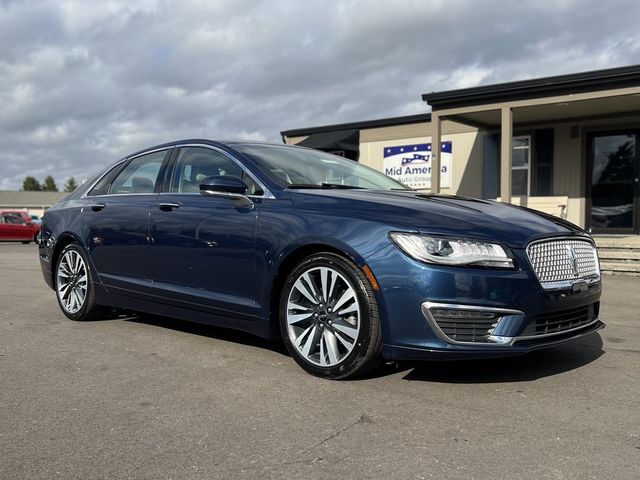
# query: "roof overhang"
(381, 122)
(348, 140)
(561, 85)
(551, 110)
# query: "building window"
(532, 167)
(520, 171)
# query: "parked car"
(24, 216)
(14, 227)
(35, 219)
(347, 265)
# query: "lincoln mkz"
(343, 263)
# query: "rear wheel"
(329, 317)
(74, 285)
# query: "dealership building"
(567, 145)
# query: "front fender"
(284, 231)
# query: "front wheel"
(74, 285)
(329, 317)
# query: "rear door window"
(141, 175)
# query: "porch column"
(506, 154)
(436, 143)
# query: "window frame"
(171, 171)
(113, 173)
(527, 168)
(159, 181)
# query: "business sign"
(411, 164)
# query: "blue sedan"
(343, 263)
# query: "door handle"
(167, 207)
(96, 207)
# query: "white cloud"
(83, 83)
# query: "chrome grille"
(561, 262)
(557, 322)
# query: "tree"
(620, 163)
(31, 184)
(49, 184)
(70, 185)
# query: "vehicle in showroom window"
(343, 263)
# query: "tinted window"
(13, 219)
(140, 175)
(194, 164)
(543, 162)
(102, 187)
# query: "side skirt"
(257, 326)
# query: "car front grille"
(561, 321)
(561, 262)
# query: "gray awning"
(348, 140)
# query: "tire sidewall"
(353, 362)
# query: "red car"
(16, 226)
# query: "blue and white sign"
(411, 164)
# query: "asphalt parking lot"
(157, 398)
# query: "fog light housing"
(473, 324)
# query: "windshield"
(306, 168)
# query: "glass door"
(614, 189)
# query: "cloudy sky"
(83, 83)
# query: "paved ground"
(163, 399)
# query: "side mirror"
(226, 186)
(223, 183)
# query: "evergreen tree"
(49, 184)
(70, 185)
(31, 184)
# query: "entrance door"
(615, 189)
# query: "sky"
(83, 83)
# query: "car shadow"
(532, 366)
(218, 333)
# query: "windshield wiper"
(323, 186)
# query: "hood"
(439, 214)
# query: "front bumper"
(526, 317)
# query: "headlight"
(452, 251)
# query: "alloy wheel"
(323, 316)
(72, 282)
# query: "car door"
(204, 246)
(117, 223)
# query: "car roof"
(217, 143)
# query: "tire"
(74, 286)
(326, 341)
(26, 242)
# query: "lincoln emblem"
(573, 258)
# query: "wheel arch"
(287, 264)
(63, 240)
